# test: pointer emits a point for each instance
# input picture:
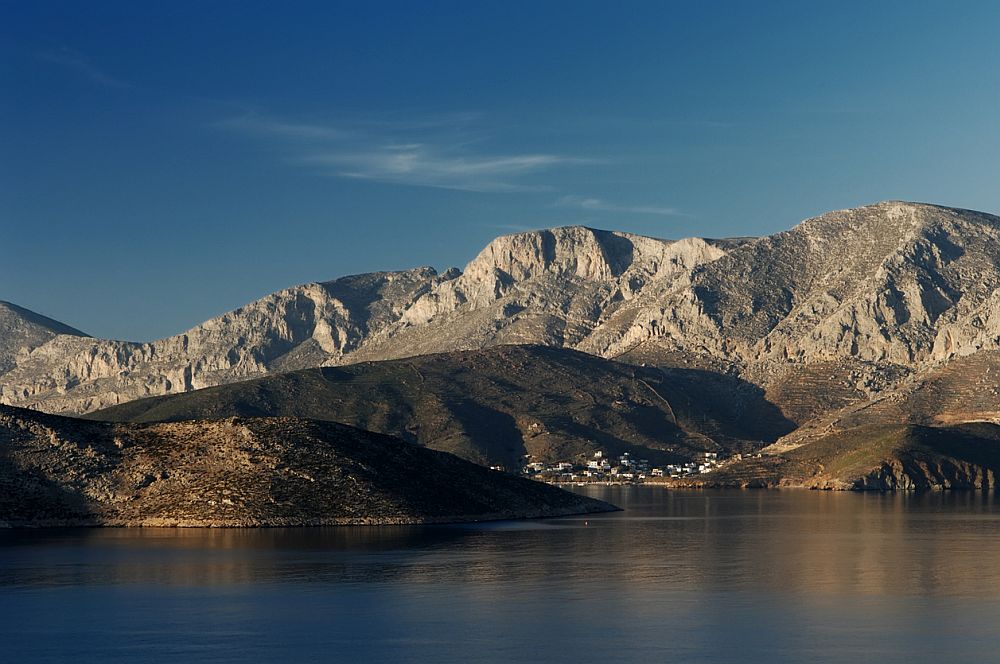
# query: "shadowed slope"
(246, 472)
(491, 406)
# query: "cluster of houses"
(707, 462)
(626, 469)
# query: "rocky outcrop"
(893, 283)
(57, 471)
(294, 328)
(915, 474)
(22, 331)
(556, 287)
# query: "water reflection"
(710, 577)
(763, 541)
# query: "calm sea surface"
(755, 576)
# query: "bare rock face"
(294, 328)
(896, 283)
(22, 331)
(555, 287)
(871, 295)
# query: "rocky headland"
(242, 472)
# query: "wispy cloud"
(440, 151)
(267, 127)
(82, 66)
(436, 166)
(599, 205)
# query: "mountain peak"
(896, 214)
(10, 311)
(893, 282)
(23, 330)
(568, 250)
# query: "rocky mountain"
(547, 287)
(246, 472)
(892, 284)
(294, 328)
(838, 310)
(555, 287)
(22, 331)
(494, 406)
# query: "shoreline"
(291, 522)
(935, 488)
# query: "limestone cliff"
(555, 287)
(892, 283)
(22, 331)
(294, 328)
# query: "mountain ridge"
(876, 293)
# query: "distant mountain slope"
(880, 457)
(495, 405)
(865, 297)
(246, 472)
(964, 390)
(21, 331)
(294, 328)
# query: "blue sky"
(161, 163)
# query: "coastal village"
(626, 469)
